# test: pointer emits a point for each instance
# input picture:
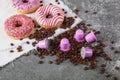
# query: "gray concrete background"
(106, 20)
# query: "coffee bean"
(115, 78)
(27, 42)
(94, 12)
(11, 44)
(11, 51)
(19, 48)
(41, 62)
(50, 62)
(86, 11)
(117, 68)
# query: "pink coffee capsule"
(64, 44)
(79, 35)
(86, 52)
(90, 37)
(43, 44)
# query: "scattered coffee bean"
(75, 16)
(11, 44)
(19, 48)
(41, 62)
(112, 48)
(102, 70)
(94, 12)
(41, 1)
(21, 39)
(26, 54)
(89, 25)
(117, 52)
(51, 4)
(86, 11)
(115, 78)
(65, 12)
(34, 44)
(86, 68)
(117, 68)
(11, 51)
(108, 75)
(27, 42)
(56, 0)
(103, 65)
(76, 11)
(50, 62)
(63, 9)
(97, 32)
(112, 42)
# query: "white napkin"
(7, 11)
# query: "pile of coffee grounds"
(74, 54)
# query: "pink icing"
(24, 5)
(25, 26)
(56, 13)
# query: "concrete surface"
(106, 20)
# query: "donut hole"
(18, 24)
(49, 16)
(25, 1)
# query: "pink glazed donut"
(25, 6)
(19, 26)
(49, 16)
